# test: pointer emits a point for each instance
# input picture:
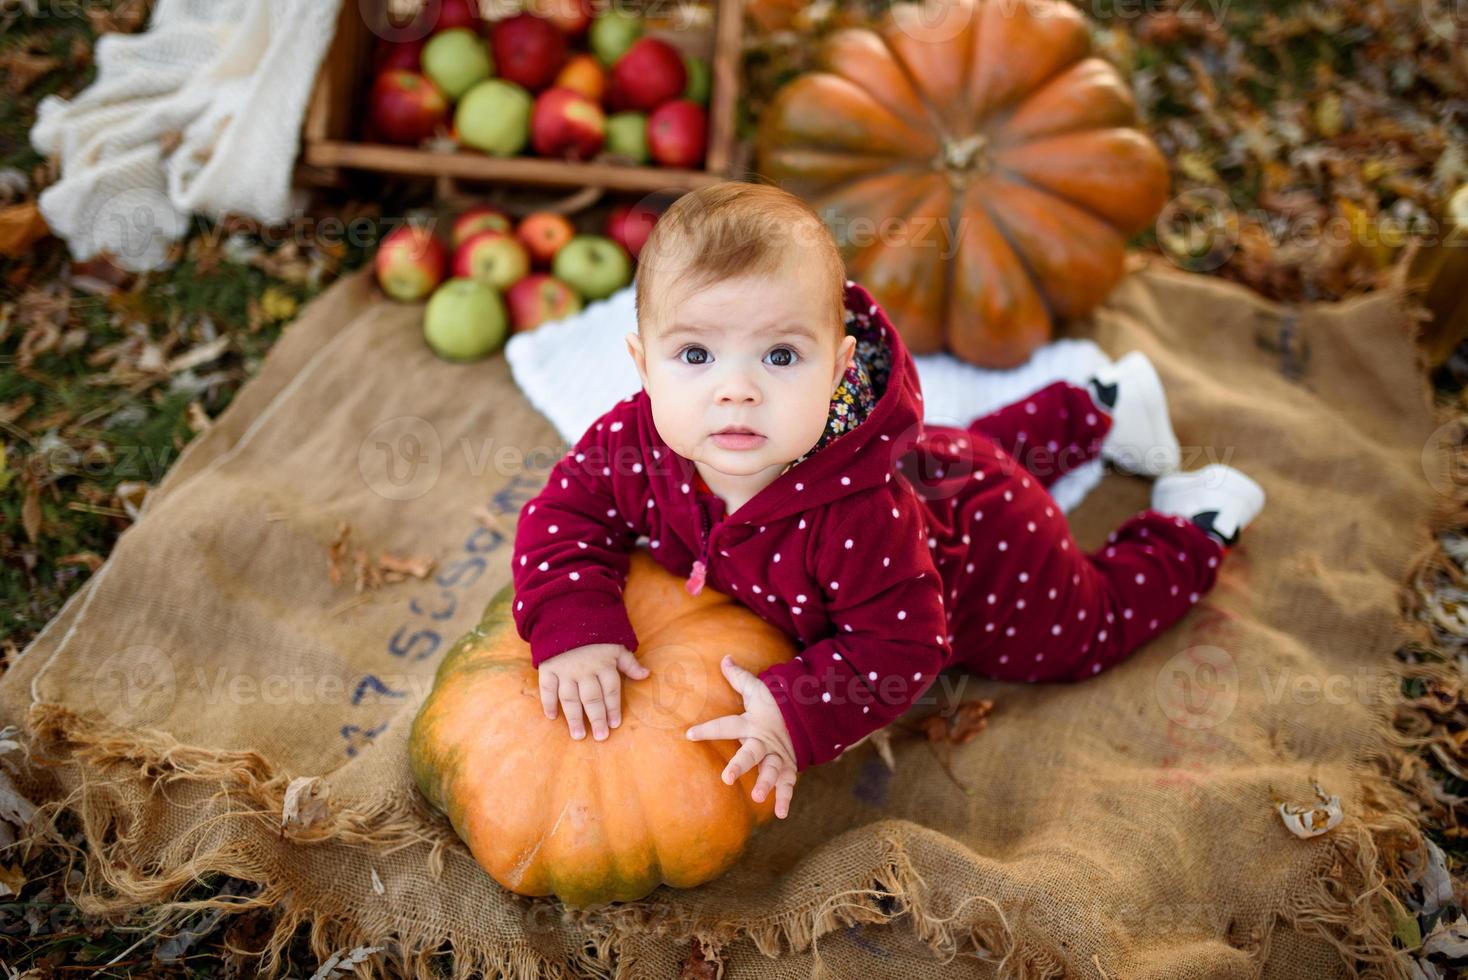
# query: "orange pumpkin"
(591, 821)
(979, 168)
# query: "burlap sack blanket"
(1121, 827)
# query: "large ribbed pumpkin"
(979, 168)
(590, 821)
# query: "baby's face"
(740, 373)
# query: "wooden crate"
(331, 141)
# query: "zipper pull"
(694, 585)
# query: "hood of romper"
(865, 456)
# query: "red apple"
(528, 50)
(493, 257)
(409, 262)
(629, 225)
(649, 74)
(405, 107)
(472, 221)
(571, 17)
(398, 55)
(543, 233)
(540, 298)
(566, 124)
(584, 74)
(454, 13)
(676, 133)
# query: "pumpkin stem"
(966, 156)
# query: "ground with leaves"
(1308, 141)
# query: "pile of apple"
(632, 98)
(497, 272)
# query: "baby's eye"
(693, 355)
(781, 357)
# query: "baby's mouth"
(737, 437)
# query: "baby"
(777, 453)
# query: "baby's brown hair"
(735, 228)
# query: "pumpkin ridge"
(935, 116)
(1006, 175)
(1008, 236)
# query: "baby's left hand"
(764, 740)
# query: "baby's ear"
(845, 354)
(639, 356)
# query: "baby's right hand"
(589, 676)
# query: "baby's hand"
(588, 676)
(764, 739)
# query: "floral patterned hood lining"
(864, 383)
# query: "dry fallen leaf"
(21, 226)
(305, 803)
(21, 69)
(1311, 819)
(417, 566)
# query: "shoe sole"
(1227, 481)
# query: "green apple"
(455, 60)
(594, 266)
(612, 34)
(465, 320)
(627, 136)
(698, 79)
(494, 116)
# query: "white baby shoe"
(1141, 439)
(1217, 498)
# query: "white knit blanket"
(201, 113)
(573, 370)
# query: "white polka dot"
(520, 604)
(988, 627)
(849, 543)
(575, 576)
(653, 543)
(1126, 614)
(1039, 656)
(865, 708)
(1024, 576)
(1030, 525)
(1004, 546)
(1065, 546)
(969, 568)
(1024, 482)
(835, 656)
(835, 585)
(1141, 578)
(636, 467)
(543, 565)
(777, 556)
(1152, 624)
(1055, 630)
(796, 610)
(770, 597)
(800, 598)
(846, 481)
(1019, 603)
(756, 589)
(932, 542)
(902, 614)
(1081, 614)
(1009, 495)
(1009, 631)
(993, 598)
(1174, 590)
(522, 559)
(564, 483)
(1192, 597)
(1095, 668)
(895, 513)
(553, 528)
(917, 676)
(1030, 408)
(612, 512)
(871, 675)
(1004, 658)
(581, 545)
(825, 695)
(1213, 563)
(886, 562)
(802, 523)
(684, 488)
(800, 486)
(531, 509)
(1101, 636)
(1052, 593)
(1090, 418)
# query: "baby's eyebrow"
(798, 329)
